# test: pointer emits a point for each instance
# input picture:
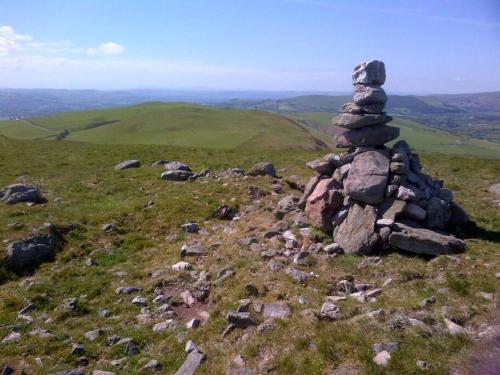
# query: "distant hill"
(176, 124)
(472, 115)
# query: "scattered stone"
(177, 175)
(27, 254)
(240, 319)
(131, 349)
(224, 212)
(486, 295)
(190, 227)
(330, 311)
(297, 275)
(11, 337)
(423, 365)
(68, 305)
(181, 266)
(139, 301)
(26, 309)
(176, 166)
(152, 365)
(195, 249)
(275, 311)
(193, 323)
(262, 169)
(382, 358)
(41, 332)
(454, 328)
(93, 335)
(17, 193)
(89, 262)
(127, 164)
(428, 301)
(104, 313)
(193, 361)
(187, 298)
(163, 326)
(127, 290)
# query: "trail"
(37, 126)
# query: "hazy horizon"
(444, 47)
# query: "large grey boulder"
(262, 169)
(27, 254)
(369, 136)
(424, 241)
(367, 177)
(176, 166)
(309, 188)
(127, 164)
(356, 234)
(176, 175)
(369, 94)
(370, 72)
(17, 193)
(355, 121)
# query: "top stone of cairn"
(369, 73)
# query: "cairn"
(372, 197)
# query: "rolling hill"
(175, 124)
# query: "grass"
(420, 137)
(94, 194)
(175, 124)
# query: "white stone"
(181, 266)
(382, 358)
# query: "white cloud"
(109, 48)
(10, 40)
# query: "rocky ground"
(223, 274)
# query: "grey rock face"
(354, 121)
(310, 186)
(367, 137)
(17, 193)
(367, 177)
(424, 241)
(177, 166)
(369, 94)
(263, 169)
(356, 234)
(297, 275)
(370, 72)
(27, 254)
(176, 175)
(127, 164)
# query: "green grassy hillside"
(175, 124)
(137, 252)
(420, 137)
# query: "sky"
(428, 46)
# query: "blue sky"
(439, 46)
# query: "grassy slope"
(20, 130)
(421, 137)
(178, 125)
(93, 194)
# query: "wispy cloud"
(399, 11)
(109, 48)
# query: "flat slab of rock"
(193, 360)
(356, 234)
(367, 177)
(127, 164)
(391, 208)
(275, 311)
(355, 121)
(369, 136)
(365, 94)
(17, 193)
(424, 241)
(369, 72)
(262, 169)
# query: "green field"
(93, 194)
(171, 124)
(420, 137)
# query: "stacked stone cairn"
(372, 197)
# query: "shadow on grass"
(471, 230)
